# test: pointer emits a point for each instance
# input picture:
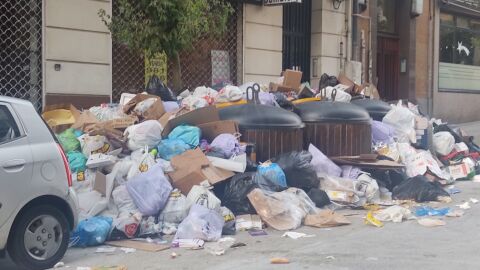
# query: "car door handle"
(14, 164)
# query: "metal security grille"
(214, 59)
(128, 68)
(21, 50)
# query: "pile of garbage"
(156, 164)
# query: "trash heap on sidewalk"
(157, 164)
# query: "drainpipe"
(355, 31)
(431, 38)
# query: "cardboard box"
(192, 168)
(153, 113)
(211, 130)
(292, 80)
(121, 123)
(194, 118)
(60, 117)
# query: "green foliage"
(169, 26)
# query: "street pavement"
(405, 245)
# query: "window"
(386, 19)
(8, 127)
(459, 53)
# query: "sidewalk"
(472, 129)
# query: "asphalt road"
(405, 245)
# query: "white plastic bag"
(403, 120)
(443, 142)
(93, 144)
(229, 93)
(201, 223)
(176, 209)
(144, 105)
(83, 180)
(150, 190)
(124, 202)
(194, 102)
(354, 192)
(202, 196)
(148, 133)
(141, 165)
(203, 91)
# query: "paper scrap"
(455, 213)
(473, 200)
(297, 235)
(465, 205)
(429, 222)
(279, 261)
(128, 250)
(105, 249)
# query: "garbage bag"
(69, 141)
(298, 170)
(201, 223)
(83, 180)
(150, 190)
(273, 172)
(403, 121)
(124, 202)
(76, 161)
(142, 164)
(94, 144)
(91, 232)
(125, 227)
(443, 142)
(156, 87)
(144, 105)
(230, 222)
(350, 172)
(284, 210)
(319, 197)
(267, 99)
(322, 164)
(237, 189)
(354, 192)
(340, 95)
(176, 209)
(148, 133)
(283, 102)
(170, 106)
(382, 133)
(207, 93)
(169, 148)
(193, 102)
(227, 145)
(188, 134)
(326, 80)
(420, 189)
(229, 93)
(202, 196)
(388, 178)
(149, 228)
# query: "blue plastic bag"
(189, 134)
(91, 232)
(169, 148)
(272, 172)
(429, 211)
(77, 161)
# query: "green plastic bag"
(77, 161)
(68, 140)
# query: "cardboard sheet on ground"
(192, 168)
(152, 247)
(326, 218)
(360, 162)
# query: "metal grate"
(21, 50)
(128, 68)
(196, 63)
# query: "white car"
(38, 206)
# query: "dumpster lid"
(372, 105)
(325, 111)
(261, 117)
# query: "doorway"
(296, 37)
(388, 67)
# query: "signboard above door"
(279, 2)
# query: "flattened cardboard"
(326, 218)
(121, 123)
(363, 163)
(153, 113)
(194, 118)
(192, 168)
(139, 245)
(211, 130)
(85, 120)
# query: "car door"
(15, 162)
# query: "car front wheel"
(39, 238)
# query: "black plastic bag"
(388, 178)
(327, 80)
(237, 189)
(298, 170)
(156, 87)
(418, 188)
(319, 197)
(283, 102)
